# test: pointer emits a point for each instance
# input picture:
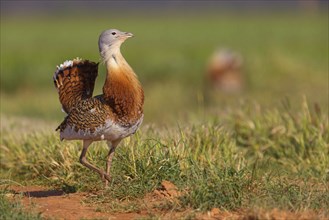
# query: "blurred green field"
(286, 55)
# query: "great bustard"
(111, 116)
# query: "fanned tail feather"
(75, 81)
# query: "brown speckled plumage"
(82, 118)
(111, 116)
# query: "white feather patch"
(67, 63)
(109, 131)
(64, 111)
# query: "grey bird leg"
(112, 146)
(84, 161)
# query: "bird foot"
(107, 180)
(105, 177)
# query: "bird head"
(112, 39)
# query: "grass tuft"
(14, 210)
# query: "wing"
(88, 114)
(75, 81)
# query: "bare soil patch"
(56, 204)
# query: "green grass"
(256, 159)
(14, 210)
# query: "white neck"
(111, 53)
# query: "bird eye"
(113, 33)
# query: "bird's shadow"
(66, 189)
(43, 193)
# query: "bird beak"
(127, 34)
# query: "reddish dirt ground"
(56, 204)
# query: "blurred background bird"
(224, 71)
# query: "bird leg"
(84, 161)
(112, 146)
